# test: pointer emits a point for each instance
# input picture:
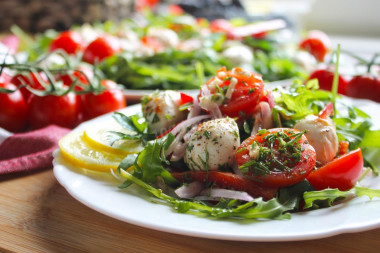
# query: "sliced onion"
(177, 148)
(263, 117)
(217, 193)
(190, 190)
(195, 110)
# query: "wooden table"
(38, 215)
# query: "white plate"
(99, 191)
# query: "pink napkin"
(29, 151)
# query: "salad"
(242, 150)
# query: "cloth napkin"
(29, 151)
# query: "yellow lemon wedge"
(75, 150)
(99, 138)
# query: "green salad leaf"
(330, 195)
(256, 209)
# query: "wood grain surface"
(38, 215)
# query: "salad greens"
(171, 67)
(292, 104)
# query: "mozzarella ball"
(165, 36)
(161, 110)
(321, 134)
(238, 55)
(212, 145)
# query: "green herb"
(256, 209)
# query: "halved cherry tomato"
(101, 48)
(70, 41)
(221, 26)
(246, 93)
(32, 80)
(152, 43)
(59, 110)
(13, 109)
(325, 80)
(228, 181)
(109, 100)
(316, 43)
(185, 99)
(287, 166)
(327, 111)
(364, 86)
(341, 173)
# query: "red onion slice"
(190, 190)
(263, 117)
(217, 193)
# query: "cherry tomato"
(325, 80)
(59, 110)
(70, 41)
(101, 48)
(289, 162)
(83, 74)
(185, 99)
(316, 43)
(109, 100)
(221, 26)
(175, 10)
(152, 43)
(32, 80)
(246, 93)
(341, 173)
(228, 181)
(13, 109)
(365, 86)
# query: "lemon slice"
(99, 139)
(75, 150)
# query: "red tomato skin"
(283, 178)
(221, 26)
(185, 99)
(101, 48)
(316, 43)
(341, 173)
(31, 80)
(247, 93)
(228, 180)
(13, 109)
(69, 41)
(59, 110)
(325, 79)
(109, 100)
(364, 86)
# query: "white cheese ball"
(165, 36)
(321, 134)
(212, 145)
(238, 55)
(161, 110)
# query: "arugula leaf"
(292, 195)
(130, 123)
(256, 209)
(331, 195)
(149, 162)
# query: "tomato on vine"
(13, 109)
(101, 48)
(50, 109)
(69, 41)
(111, 99)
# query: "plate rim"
(58, 167)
